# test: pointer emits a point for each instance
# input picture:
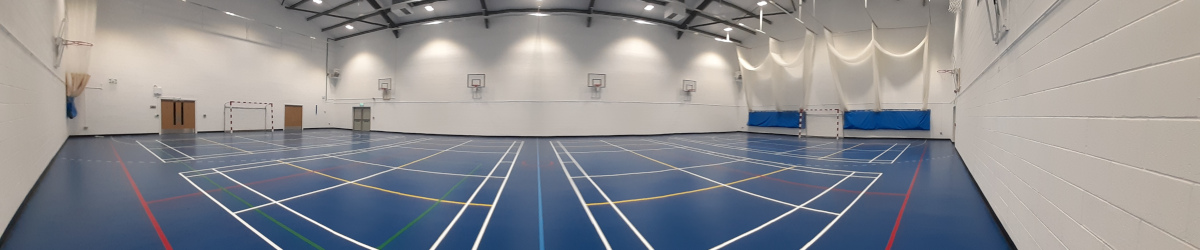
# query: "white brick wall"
(32, 99)
(1083, 130)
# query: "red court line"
(253, 183)
(810, 185)
(906, 195)
(145, 206)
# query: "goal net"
(249, 116)
(821, 123)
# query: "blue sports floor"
(337, 189)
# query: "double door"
(362, 118)
(178, 116)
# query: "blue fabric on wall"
(785, 119)
(71, 112)
(887, 119)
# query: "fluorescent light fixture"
(723, 40)
(428, 8)
(314, 38)
(742, 24)
(762, 3)
(432, 23)
(728, 29)
(230, 13)
(349, 27)
(277, 27)
(642, 21)
(317, 1)
(649, 7)
(538, 14)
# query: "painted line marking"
(222, 144)
(771, 152)
(426, 212)
(839, 216)
(496, 202)
(263, 142)
(172, 148)
(785, 152)
(541, 220)
(602, 194)
(300, 158)
(148, 150)
(660, 171)
(472, 198)
(840, 151)
(239, 219)
(146, 207)
(297, 213)
(895, 228)
(415, 170)
(580, 196)
(711, 180)
(884, 152)
(789, 212)
(902, 153)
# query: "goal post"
(821, 123)
(249, 116)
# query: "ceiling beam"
(745, 11)
(337, 16)
(335, 8)
(356, 19)
(548, 11)
(591, 8)
(691, 17)
(298, 3)
(386, 17)
(486, 23)
(726, 22)
(739, 18)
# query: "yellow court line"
(222, 144)
(684, 192)
(390, 191)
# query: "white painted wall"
(32, 98)
(1083, 130)
(536, 72)
(198, 54)
(901, 79)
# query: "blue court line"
(541, 222)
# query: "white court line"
(901, 153)
(884, 152)
(835, 219)
(276, 150)
(176, 150)
(415, 170)
(262, 141)
(239, 219)
(772, 152)
(713, 181)
(619, 151)
(785, 152)
(580, 196)
(314, 191)
(222, 144)
(297, 213)
(602, 194)
(151, 152)
(496, 201)
(473, 194)
(658, 171)
(800, 168)
(274, 162)
(820, 211)
(457, 151)
(789, 212)
(839, 151)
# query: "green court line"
(435, 204)
(248, 205)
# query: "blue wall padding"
(888, 119)
(785, 119)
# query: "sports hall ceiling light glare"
(428, 8)
(538, 14)
(727, 29)
(432, 23)
(230, 13)
(642, 22)
(723, 40)
(762, 3)
(649, 7)
(317, 1)
(349, 27)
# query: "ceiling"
(836, 15)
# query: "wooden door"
(187, 116)
(293, 117)
(169, 122)
(178, 116)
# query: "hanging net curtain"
(79, 25)
(779, 82)
(841, 62)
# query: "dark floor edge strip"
(25, 202)
(996, 219)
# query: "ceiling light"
(723, 40)
(538, 14)
(317, 1)
(349, 27)
(277, 27)
(642, 22)
(428, 8)
(432, 23)
(727, 29)
(762, 3)
(314, 38)
(649, 7)
(230, 13)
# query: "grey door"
(362, 118)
